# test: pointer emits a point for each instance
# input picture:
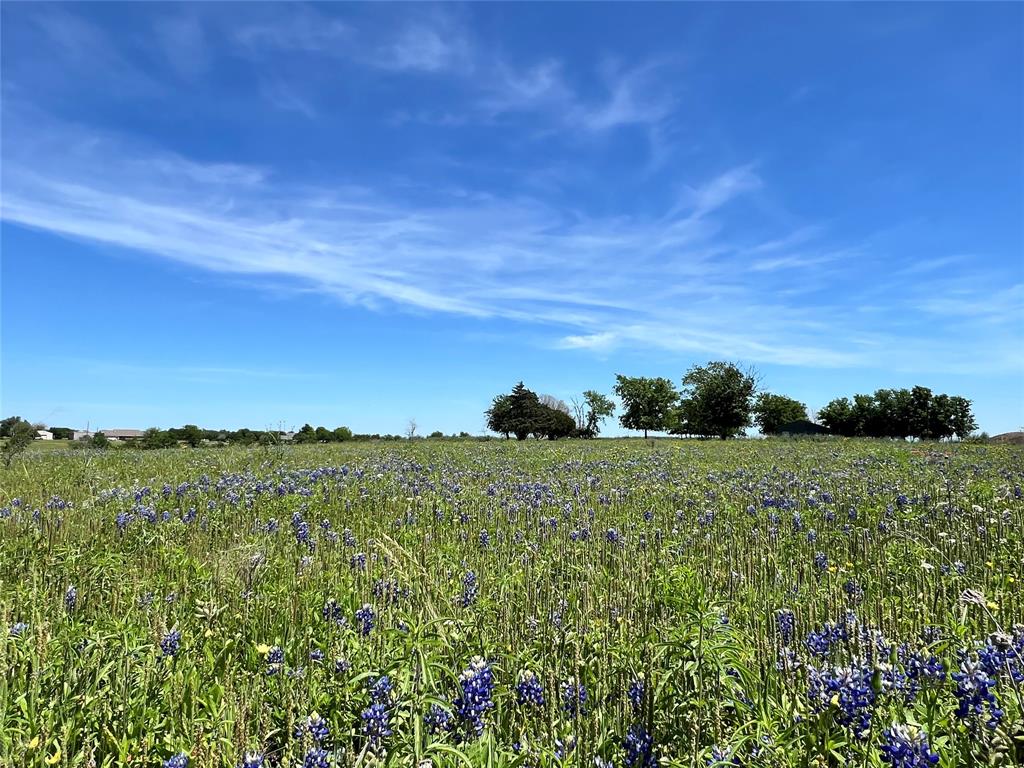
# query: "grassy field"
(751, 603)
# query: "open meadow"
(601, 603)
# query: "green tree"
(553, 423)
(154, 438)
(99, 441)
(341, 434)
(8, 425)
(717, 400)
(20, 435)
(191, 434)
(305, 435)
(920, 411)
(838, 417)
(516, 413)
(324, 435)
(647, 403)
(773, 411)
(962, 418)
(595, 409)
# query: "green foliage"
(597, 408)
(773, 411)
(518, 413)
(717, 400)
(20, 435)
(900, 413)
(647, 403)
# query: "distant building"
(44, 434)
(123, 435)
(802, 427)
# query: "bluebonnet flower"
(171, 643)
(635, 694)
(854, 591)
(357, 562)
(275, 660)
(470, 589)
(974, 693)
(438, 719)
(821, 561)
(365, 619)
(315, 726)
(529, 690)
(316, 655)
(123, 519)
(613, 536)
(574, 698)
(71, 599)
(722, 756)
(271, 526)
(850, 690)
(317, 758)
(475, 699)
(18, 629)
(785, 621)
(180, 760)
(332, 612)
(301, 530)
(341, 666)
(484, 539)
(376, 723)
(820, 641)
(639, 748)
(348, 538)
(906, 746)
(252, 760)
(381, 690)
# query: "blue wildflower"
(180, 760)
(171, 643)
(906, 746)
(365, 619)
(376, 723)
(639, 748)
(529, 690)
(475, 699)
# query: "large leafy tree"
(773, 411)
(962, 418)
(516, 413)
(838, 417)
(552, 423)
(717, 400)
(647, 403)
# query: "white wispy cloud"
(673, 282)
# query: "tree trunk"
(645, 434)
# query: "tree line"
(900, 413)
(722, 400)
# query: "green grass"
(604, 564)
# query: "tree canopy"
(717, 400)
(773, 411)
(647, 403)
(900, 413)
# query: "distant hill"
(1013, 438)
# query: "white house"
(44, 434)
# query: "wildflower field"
(432, 603)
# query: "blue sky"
(255, 215)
